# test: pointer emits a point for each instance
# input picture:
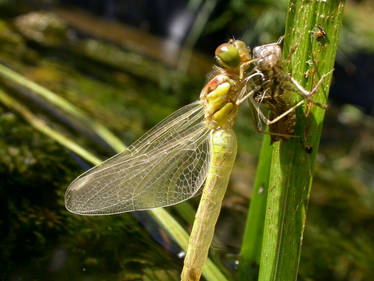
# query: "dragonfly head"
(231, 54)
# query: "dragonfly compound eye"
(227, 55)
(243, 49)
(269, 55)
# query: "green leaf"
(252, 240)
(293, 161)
(271, 248)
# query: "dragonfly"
(194, 147)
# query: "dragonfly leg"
(243, 95)
(259, 129)
(312, 92)
(244, 66)
(292, 51)
(309, 94)
(279, 117)
(280, 40)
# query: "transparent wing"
(166, 166)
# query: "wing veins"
(187, 133)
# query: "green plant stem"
(63, 104)
(293, 161)
(40, 125)
(252, 240)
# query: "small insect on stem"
(320, 33)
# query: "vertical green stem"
(293, 161)
(251, 247)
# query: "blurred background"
(127, 65)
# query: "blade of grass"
(252, 240)
(166, 221)
(40, 125)
(293, 161)
(64, 105)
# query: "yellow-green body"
(219, 100)
(223, 153)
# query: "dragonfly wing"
(166, 166)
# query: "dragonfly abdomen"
(223, 153)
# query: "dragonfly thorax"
(219, 98)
